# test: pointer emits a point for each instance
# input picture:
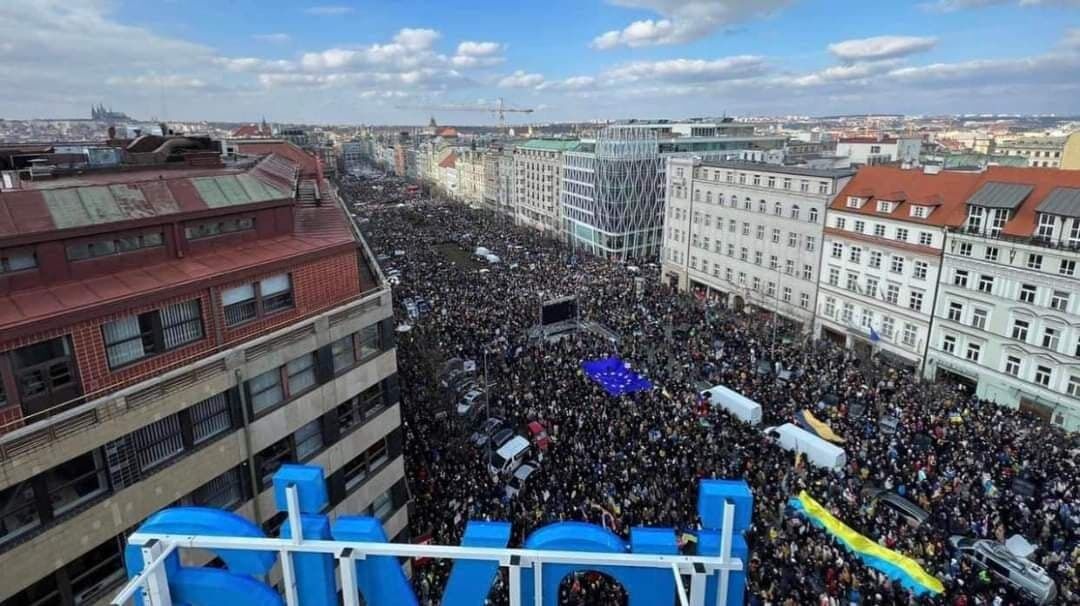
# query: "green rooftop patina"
(555, 145)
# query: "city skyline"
(568, 60)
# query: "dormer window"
(975, 218)
(855, 202)
(920, 212)
(1046, 227)
(884, 206)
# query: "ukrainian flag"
(811, 423)
(895, 565)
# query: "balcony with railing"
(1066, 244)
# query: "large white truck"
(740, 406)
(816, 450)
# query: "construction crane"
(500, 109)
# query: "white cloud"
(172, 81)
(275, 38)
(881, 47)
(520, 79)
(572, 83)
(694, 70)
(409, 49)
(683, 20)
(844, 73)
(949, 6)
(328, 10)
(477, 54)
(469, 48)
(1071, 38)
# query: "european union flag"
(874, 337)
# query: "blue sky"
(359, 61)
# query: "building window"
(771, 181)
(745, 229)
(956, 311)
(978, 318)
(884, 207)
(787, 183)
(308, 439)
(761, 206)
(830, 306)
(270, 459)
(1043, 375)
(1034, 261)
(811, 243)
(986, 284)
(789, 266)
(813, 215)
(743, 253)
(926, 238)
(44, 374)
(17, 259)
(248, 301)
(860, 226)
(974, 350)
(75, 482)
(871, 287)
(834, 276)
(896, 265)
(975, 219)
(911, 332)
(1012, 365)
(853, 282)
(965, 249)
(133, 338)
(915, 300)
(1028, 293)
(991, 254)
(960, 278)
(879, 230)
(808, 272)
(1045, 228)
(841, 223)
(867, 318)
(837, 250)
(849, 311)
(731, 225)
(875, 259)
(901, 234)
(919, 212)
(888, 327)
(210, 418)
(20, 510)
(787, 294)
(218, 227)
(775, 236)
(1020, 329)
(804, 300)
(778, 209)
(892, 294)
(266, 390)
(760, 232)
(114, 245)
(1051, 338)
(855, 255)
(301, 374)
(774, 262)
(804, 185)
(948, 344)
(757, 283)
(921, 268)
(1073, 388)
(1067, 268)
(1060, 300)
(770, 289)
(792, 239)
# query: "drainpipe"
(252, 475)
(933, 305)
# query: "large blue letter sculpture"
(380, 579)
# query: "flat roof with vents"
(1000, 195)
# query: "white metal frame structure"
(152, 582)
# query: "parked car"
(509, 456)
(538, 435)
(501, 437)
(481, 436)
(1021, 573)
(911, 512)
(469, 404)
(521, 476)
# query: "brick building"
(172, 335)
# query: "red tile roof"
(1044, 180)
(320, 230)
(309, 165)
(946, 190)
(449, 161)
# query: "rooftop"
(947, 190)
(559, 145)
(94, 199)
(803, 171)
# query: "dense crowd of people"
(636, 460)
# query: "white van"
(816, 450)
(481, 251)
(742, 407)
(509, 456)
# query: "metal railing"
(1034, 240)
